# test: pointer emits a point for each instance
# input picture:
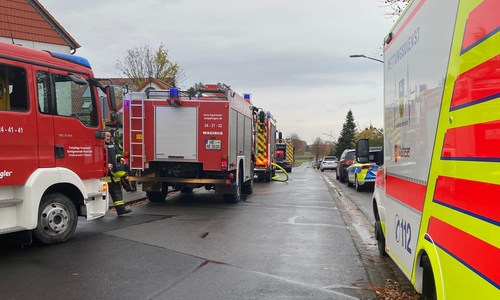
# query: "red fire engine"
(185, 141)
(265, 125)
(51, 137)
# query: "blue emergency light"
(246, 96)
(174, 93)
(71, 58)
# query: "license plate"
(212, 144)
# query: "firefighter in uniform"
(114, 184)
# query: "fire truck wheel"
(289, 170)
(379, 236)
(236, 197)
(156, 196)
(247, 187)
(57, 219)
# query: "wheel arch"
(69, 190)
(43, 182)
(426, 258)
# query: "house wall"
(38, 45)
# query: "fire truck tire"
(379, 236)
(247, 187)
(57, 219)
(236, 197)
(156, 196)
(289, 170)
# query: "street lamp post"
(364, 56)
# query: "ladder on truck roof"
(136, 132)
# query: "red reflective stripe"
(477, 255)
(408, 192)
(478, 142)
(482, 22)
(477, 85)
(478, 199)
(413, 13)
(379, 179)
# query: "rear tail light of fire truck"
(223, 163)
(104, 189)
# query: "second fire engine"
(185, 141)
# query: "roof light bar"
(71, 58)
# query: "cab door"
(76, 120)
(67, 122)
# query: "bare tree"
(393, 7)
(318, 148)
(141, 63)
(299, 146)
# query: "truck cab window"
(13, 89)
(71, 99)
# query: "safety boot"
(121, 209)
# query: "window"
(13, 89)
(43, 93)
(71, 99)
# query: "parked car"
(328, 163)
(363, 174)
(346, 159)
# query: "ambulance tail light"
(223, 163)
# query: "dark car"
(346, 159)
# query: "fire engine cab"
(437, 198)
(184, 141)
(52, 154)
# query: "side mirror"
(77, 79)
(110, 94)
(262, 116)
(100, 134)
(362, 151)
(280, 135)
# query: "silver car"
(328, 163)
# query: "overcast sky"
(291, 55)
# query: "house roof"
(117, 81)
(29, 20)
(161, 84)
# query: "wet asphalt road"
(302, 239)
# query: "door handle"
(59, 151)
